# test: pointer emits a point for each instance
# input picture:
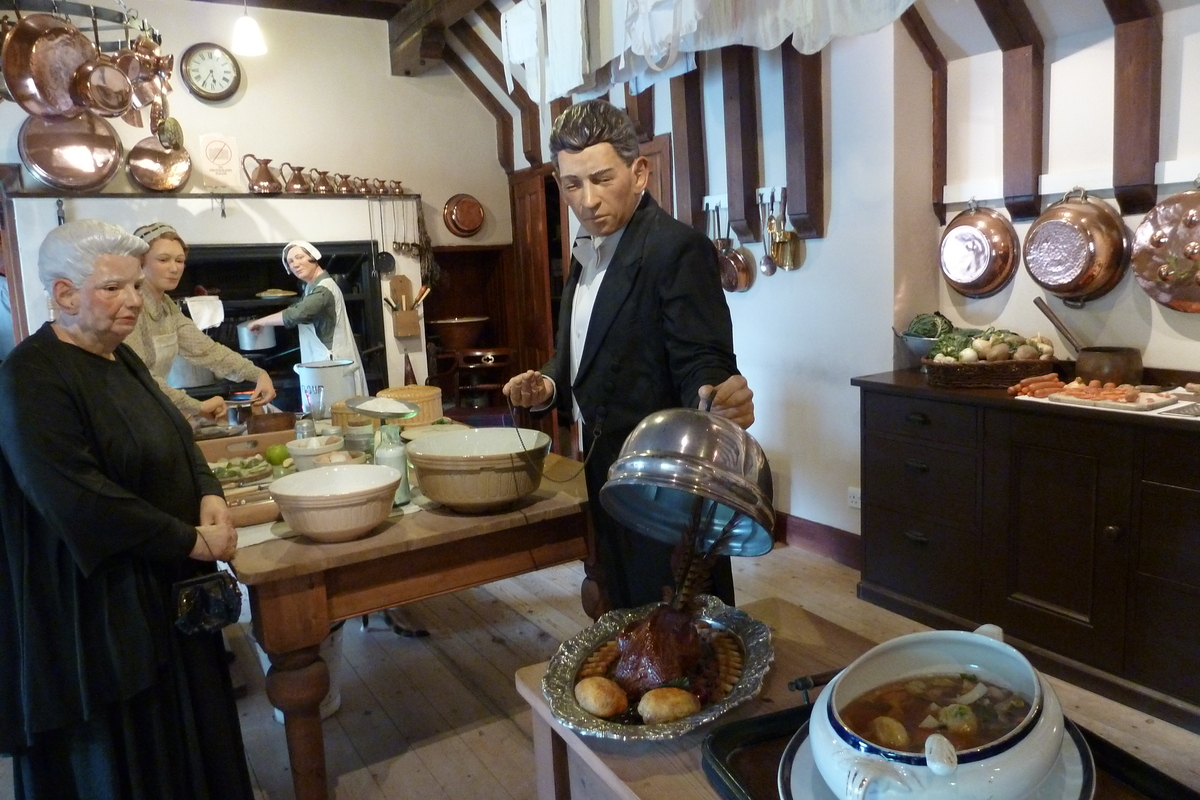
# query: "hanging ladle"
(766, 264)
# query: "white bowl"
(338, 503)
(304, 451)
(479, 469)
(919, 346)
(1010, 768)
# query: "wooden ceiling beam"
(741, 140)
(415, 31)
(687, 132)
(491, 17)
(504, 121)
(1137, 101)
(531, 136)
(919, 31)
(1015, 31)
(362, 9)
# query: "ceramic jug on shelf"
(294, 183)
(320, 181)
(263, 181)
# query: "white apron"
(313, 349)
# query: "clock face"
(210, 71)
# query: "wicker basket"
(427, 398)
(984, 374)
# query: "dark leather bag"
(207, 603)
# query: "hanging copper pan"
(1077, 249)
(979, 251)
(39, 61)
(80, 153)
(6, 26)
(100, 84)
(158, 168)
(1166, 252)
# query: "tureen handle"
(991, 631)
(940, 756)
(863, 771)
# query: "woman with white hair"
(105, 504)
(163, 333)
(320, 315)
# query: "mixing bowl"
(304, 451)
(478, 469)
(338, 503)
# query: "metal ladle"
(766, 264)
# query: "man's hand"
(213, 407)
(529, 389)
(215, 511)
(733, 400)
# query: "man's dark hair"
(590, 123)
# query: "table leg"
(296, 684)
(550, 760)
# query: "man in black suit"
(643, 327)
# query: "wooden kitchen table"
(588, 768)
(299, 588)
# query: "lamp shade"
(676, 456)
(247, 37)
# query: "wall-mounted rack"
(69, 8)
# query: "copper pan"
(6, 26)
(39, 61)
(1077, 249)
(1166, 252)
(736, 272)
(100, 84)
(158, 168)
(79, 153)
(979, 252)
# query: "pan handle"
(1058, 323)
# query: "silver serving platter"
(558, 684)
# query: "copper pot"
(979, 252)
(100, 84)
(343, 185)
(263, 181)
(1077, 249)
(39, 61)
(294, 183)
(320, 183)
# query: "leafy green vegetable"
(950, 344)
(930, 326)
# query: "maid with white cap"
(320, 315)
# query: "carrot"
(1046, 392)
(1033, 387)
(1014, 389)
(1050, 376)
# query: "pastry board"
(1144, 402)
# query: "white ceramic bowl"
(340, 457)
(919, 346)
(478, 469)
(1010, 768)
(304, 451)
(338, 503)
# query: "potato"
(1027, 352)
(667, 704)
(999, 352)
(601, 697)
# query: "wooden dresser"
(1076, 530)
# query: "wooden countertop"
(561, 493)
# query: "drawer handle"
(1113, 532)
(917, 418)
(916, 537)
(916, 466)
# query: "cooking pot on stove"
(1009, 768)
(264, 339)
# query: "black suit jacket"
(660, 328)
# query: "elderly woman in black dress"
(105, 502)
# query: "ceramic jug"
(263, 181)
(320, 183)
(295, 183)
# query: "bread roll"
(601, 697)
(667, 704)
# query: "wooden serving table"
(588, 768)
(299, 588)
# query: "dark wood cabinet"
(1075, 530)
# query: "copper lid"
(1166, 252)
(156, 168)
(80, 153)
(463, 215)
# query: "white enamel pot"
(335, 377)
(248, 340)
(1010, 768)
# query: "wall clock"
(210, 72)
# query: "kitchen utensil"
(335, 377)
(40, 58)
(271, 422)
(263, 181)
(766, 264)
(459, 333)
(1166, 252)
(360, 185)
(154, 167)
(77, 154)
(1077, 249)
(337, 503)
(342, 185)
(979, 251)
(294, 180)
(463, 215)
(99, 84)
(320, 183)
(395, 187)
(479, 469)
(786, 242)
(248, 339)
(6, 27)
(1119, 365)
(736, 273)
(385, 262)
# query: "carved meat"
(660, 648)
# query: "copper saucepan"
(1106, 364)
(979, 252)
(99, 84)
(39, 61)
(1077, 249)
(736, 272)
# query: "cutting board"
(1144, 402)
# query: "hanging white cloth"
(654, 29)
(566, 46)
(519, 26)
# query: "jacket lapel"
(618, 281)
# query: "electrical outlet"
(854, 496)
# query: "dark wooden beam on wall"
(557, 107)
(687, 129)
(531, 135)
(1016, 32)
(640, 108)
(504, 122)
(804, 141)
(919, 31)
(1137, 101)
(741, 140)
(416, 32)
(491, 17)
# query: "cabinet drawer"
(1172, 458)
(924, 419)
(923, 558)
(907, 475)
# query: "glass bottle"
(391, 453)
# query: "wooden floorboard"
(437, 718)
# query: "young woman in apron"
(319, 316)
